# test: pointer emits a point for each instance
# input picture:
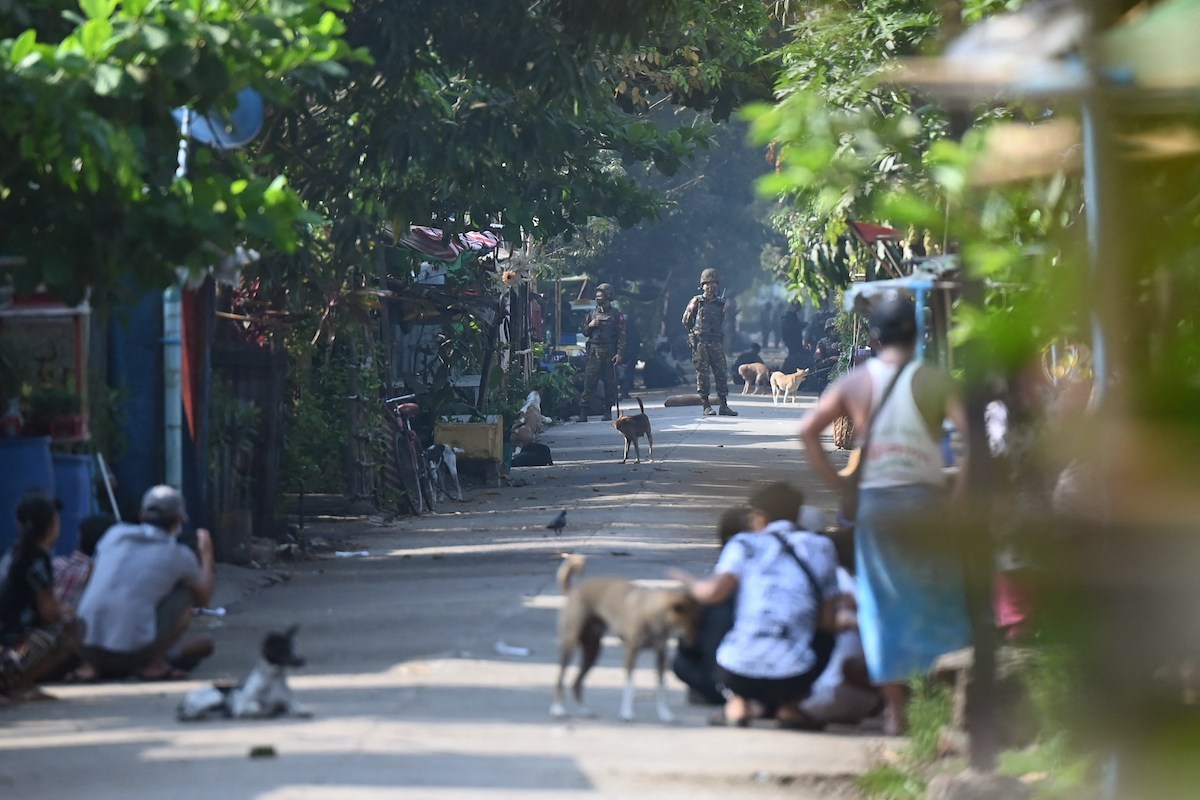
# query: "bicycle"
(412, 469)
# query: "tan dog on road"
(633, 426)
(642, 618)
(783, 385)
(755, 375)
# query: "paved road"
(411, 696)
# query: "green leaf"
(177, 60)
(276, 192)
(108, 79)
(95, 36)
(98, 9)
(22, 46)
(155, 37)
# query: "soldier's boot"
(725, 410)
(708, 409)
(607, 416)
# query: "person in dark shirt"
(37, 635)
(696, 663)
(606, 335)
(766, 323)
(751, 356)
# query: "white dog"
(529, 424)
(531, 413)
(443, 461)
(265, 692)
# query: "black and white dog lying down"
(264, 693)
(443, 462)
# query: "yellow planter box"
(479, 440)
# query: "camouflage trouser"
(708, 355)
(599, 368)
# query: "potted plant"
(56, 411)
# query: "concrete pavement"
(411, 676)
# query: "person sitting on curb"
(140, 599)
(780, 574)
(71, 573)
(37, 635)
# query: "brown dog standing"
(633, 426)
(642, 618)
(755, 375)
(784, 384)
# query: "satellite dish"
(228, 131)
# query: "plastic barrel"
(73, 485)
(25, 464)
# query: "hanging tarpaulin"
(436, 244)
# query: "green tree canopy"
(88, 148)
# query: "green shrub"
(317, 429)
(891, 782)
(929, 710)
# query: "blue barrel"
(24, 465)
(73, 485)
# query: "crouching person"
(780, 575)
(144, 587)
(37, 635)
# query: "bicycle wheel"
(406, 471)
(428, 488)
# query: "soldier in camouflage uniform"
(605, 332)
(705, 321)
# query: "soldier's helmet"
(606, 288)
(709, 276)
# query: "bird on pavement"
(559, 522)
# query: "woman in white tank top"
(902, 452)
(911, 591)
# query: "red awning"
(869, 233)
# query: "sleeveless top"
(901, 452)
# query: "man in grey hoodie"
(144, 587)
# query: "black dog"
(535, 454)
